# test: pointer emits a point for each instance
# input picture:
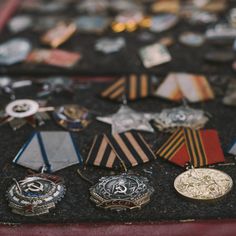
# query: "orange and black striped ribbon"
(119, 151)
(172, 145)
(192, 141)
(133, 87)
(195, 147)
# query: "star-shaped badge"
(128, 119)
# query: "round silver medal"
(121, 192)
(203, 184)
(22, 108)
(35, 195)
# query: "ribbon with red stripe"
(197, 147)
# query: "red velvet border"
(198, 228)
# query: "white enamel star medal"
(127, 119)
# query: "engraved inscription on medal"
(121, 192)
(203, 184)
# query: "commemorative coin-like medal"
(169, 119)
(14, 51)
(203, 184)
(72, 117)
(35, 195)
(121, 192)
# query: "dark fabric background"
(166, 205)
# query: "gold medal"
(203, 184)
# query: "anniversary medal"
(199, 148)
(121, 192)
(72, 117)
(38, 193)
(23, 111)
(203, 184)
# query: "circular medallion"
(191, 39)
(203, 184)
(22, 108)
(121, 192)
(72, 117)
(35, 195)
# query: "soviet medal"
(121, 192)
(49, 152)
(203, 184)
(22, 111)
(199, 148)
(35, 195)
(72, 117)
(170, 119)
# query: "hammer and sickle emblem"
(34, 187)
(120, 188)
(21, 108)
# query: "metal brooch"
(72, 117)
(22, 111)
(170, 119)
(35, 195)
(121, 192)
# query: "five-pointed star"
(126, 119)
